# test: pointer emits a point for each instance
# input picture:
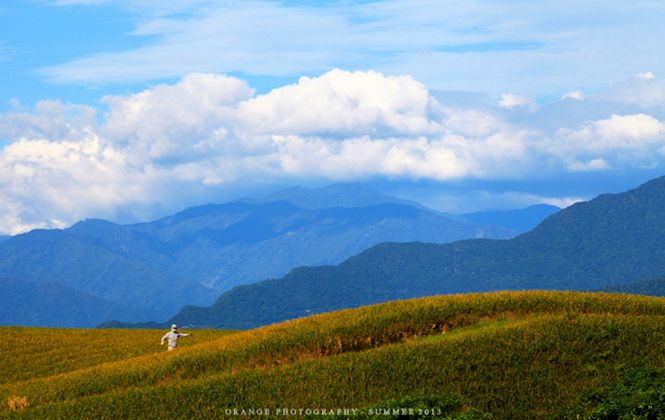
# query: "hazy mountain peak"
(91, 224)
(353, 194)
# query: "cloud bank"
(171, 145)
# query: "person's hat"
(174, 327)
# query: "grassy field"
(508, 355)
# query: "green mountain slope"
(646, 287)
(46, 304)
(613, 239)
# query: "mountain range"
(613, 239)
(54, 305)
(189, 258)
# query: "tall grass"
(547, 348)
(29, 353)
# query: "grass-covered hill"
(508, 355)
(610, 240)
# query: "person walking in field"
(173, 337)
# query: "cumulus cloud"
(173, 143)
(178, 122)
(616, 141)
(345, 103)
(629, 132)
(47, 184)
(339, 126)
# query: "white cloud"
(575, 95)
(592, 165)
(616, 142)
(512, 100)
(50, 119)
(482, 200)
(178, 122)
(562, 202)
(630, 132)
(173, 144)
(53, 183)
(341, 102)
(627, 132)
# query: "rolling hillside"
(516, 355)
(610, 240)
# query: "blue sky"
(130, 110)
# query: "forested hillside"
(646, 287)
(613, 239)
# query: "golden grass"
(28, 353)
(345, 344)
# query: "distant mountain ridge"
(190, 257)
(27, 303)
(225, 245)
(613, 239)
(335, 195)
(341, 195)
(56, 256)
